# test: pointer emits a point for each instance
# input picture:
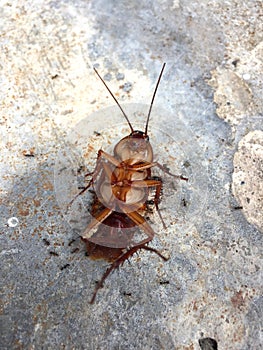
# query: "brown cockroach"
(121, 184)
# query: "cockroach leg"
(94, 174)
(99, 218)
(119, 261)
(156, 200)
(145, 247)
(109, 157)
(142, 223)
(153, 182)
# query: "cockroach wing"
(116, 231)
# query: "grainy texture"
(206, 123)
(248, 176)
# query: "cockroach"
(122, 183)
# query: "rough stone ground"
(206, 123)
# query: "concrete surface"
(206, 123)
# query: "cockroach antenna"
(115, 99)
(156, 87)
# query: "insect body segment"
(122, 184)
(134, 148)
(121, 187)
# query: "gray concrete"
(206, 124)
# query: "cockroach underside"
(123, 184)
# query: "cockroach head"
(137, 134)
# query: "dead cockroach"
(122, 183)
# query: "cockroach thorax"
(135, 146)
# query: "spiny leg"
(119, 261)
(141, 222)
(98, 220)
(155, 251)
(156, 200)
(157, 183)
(94, 174)
(100, 165)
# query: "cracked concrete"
(206, 123)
